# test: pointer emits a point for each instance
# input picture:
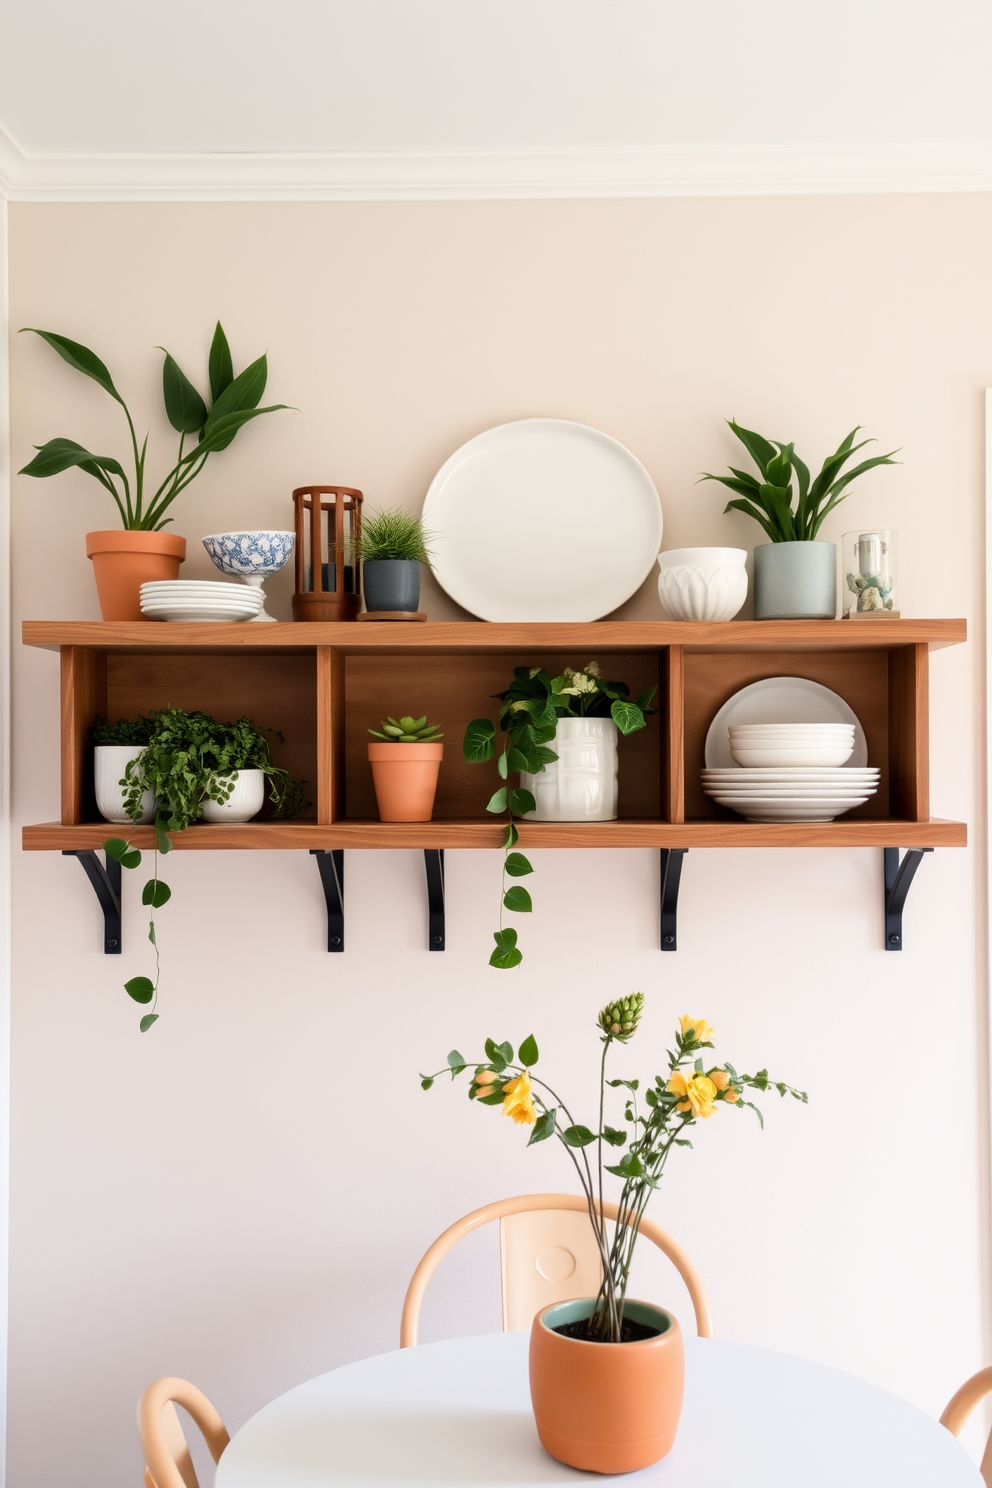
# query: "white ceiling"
(92, 78)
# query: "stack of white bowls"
(794, 772)
(195, 599)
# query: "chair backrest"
(960, 1407)
(167, 1460)
(547, 1254)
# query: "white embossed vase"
(581, 785)
(109, 763)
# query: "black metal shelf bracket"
(671, 877)
(434, 862)
(331, 868)
(106, 881)
(898, 877)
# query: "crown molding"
(481, 176)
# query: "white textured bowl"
(773, 756)
(244, 802)
(702, 584)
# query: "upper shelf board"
(607, 635)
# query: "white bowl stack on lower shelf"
(795, 772)
(181, 600)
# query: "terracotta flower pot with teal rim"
(606, 1407)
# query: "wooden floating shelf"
(322, 686)
(308, 836)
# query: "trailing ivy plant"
(188, 758)
(528, 717)
(769, 500)
(233, 402)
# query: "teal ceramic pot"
(795, 581)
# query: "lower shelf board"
(302, 836)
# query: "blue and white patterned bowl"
(248, 554)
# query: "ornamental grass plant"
(656, 1118)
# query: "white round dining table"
(459, 1413)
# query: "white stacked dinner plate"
(181, 600)
(788, 749)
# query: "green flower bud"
(619, 1019)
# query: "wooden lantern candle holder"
(328, 589)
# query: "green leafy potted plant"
(579, 1395)
(405, 764)
(142, 551)
(580, 713)
(391, 545)
(795, 577)
(115, 745)
(193, 766)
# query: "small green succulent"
(407, 731)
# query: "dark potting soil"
(630, 1332)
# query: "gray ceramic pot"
(795, 581)
(391, 584)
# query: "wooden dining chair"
(960, 1407)
(167, 1460)
(547, 1254)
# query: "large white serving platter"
(542, 520)
(781, 700)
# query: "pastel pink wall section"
(240, 1197)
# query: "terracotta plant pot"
(606, 1407)
(123, 561)
(405, 778)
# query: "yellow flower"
(698, 1028)
(720, 1078)
(697, 1093)
(518, 1103)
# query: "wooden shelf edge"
(301, 836)
(733, 635)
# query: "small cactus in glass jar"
(407, 731)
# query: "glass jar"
(869, 574)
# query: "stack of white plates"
(791, 794)
(194, 599)
(791, 772)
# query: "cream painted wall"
(241, 1195)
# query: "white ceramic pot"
(581, 785)
(109, 763)
(702, 583)
(244, 802)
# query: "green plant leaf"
(242, 394)
(219, 365)
(185, 409)
(81, 358)
(627, 716)
(506, 954)
(578, 1136)
(497, 801)
(496, 1099)
(512, 836)
(615, 1137)
(122, 852)
(517, 866)
(517, 760)
(521, 801)
(759, 516)
(140, 988)
(501, 766)
(62, 454)
(496, 1053)
(478, 744)
(147, 1021)
(778, 505)
(778, 472)
(544, 1127)
(646, 698)
(528, 1051)
(163, 841)
(456, 1062)
(426, 1081)
(156, 893)
(518, 900)
(760, 450)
